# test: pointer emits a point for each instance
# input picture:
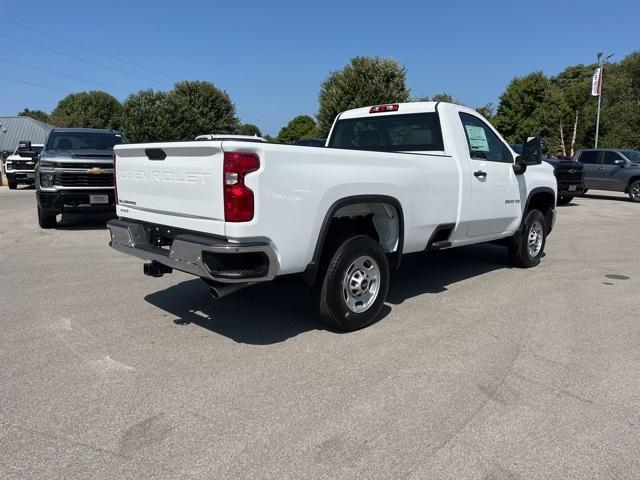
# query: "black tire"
(46, 219)
(564, 200)
(584, 191)
(634, 191)
(333, 306)
(520, 253)
(12, 184)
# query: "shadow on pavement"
(608, 197)
(77, 221)
(270, 313)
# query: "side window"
(589, 156)
(483, 143)
(610, 158)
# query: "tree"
(248, 129)
(445, 97)
(93, 109)
(486, 111)
(146, 117)
(301, 126)
(198, 108)
(516, 116)
(35, 114)
(364, 81)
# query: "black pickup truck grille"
(73, 179)
(569, 175)
(23, 165)
(84, 165)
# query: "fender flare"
(311, 271)
(532, 193)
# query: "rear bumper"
(205, 256)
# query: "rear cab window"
(589, 157)
(413, 132)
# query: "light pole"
(601, 64)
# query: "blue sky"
(272, 56)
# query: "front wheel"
(528, 247)
(634, 191)
(12, 184)
(355, 284)
(46, 220)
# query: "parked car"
(20, 166)
(612, 169)
(395, 179)
(569, 175)
(75, 173)
(311, 142)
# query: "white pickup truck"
(392, 179)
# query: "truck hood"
(77, 154)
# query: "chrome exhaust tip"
(220, 290)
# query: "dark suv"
(569, 175)
(611, 169)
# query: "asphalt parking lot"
(477, 370)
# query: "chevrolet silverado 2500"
(75, 173)
(392, 179)
(19, 167)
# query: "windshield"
(83, 140)
(389, 133)
(633, 155)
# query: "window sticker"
(477, 139)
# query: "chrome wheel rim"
(361, 284)
(635, 191)
(536, 235)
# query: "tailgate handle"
(155, 153)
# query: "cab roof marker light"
(394, 107)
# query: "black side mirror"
(531, 152)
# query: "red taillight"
(384, 108)
(115, 179)
(238, 198)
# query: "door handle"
(602, 168)
(480, 174)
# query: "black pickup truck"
(569, 175)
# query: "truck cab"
(75, 173)
(20, 166)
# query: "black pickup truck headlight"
(46, 180)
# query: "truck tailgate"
(177, 184)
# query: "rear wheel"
(634, 191)
(354, 285)
(46, 219)
(528, 247)
(564, 200)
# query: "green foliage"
(516, 116)
(248, 129)
(35, 114)
(486, 111)
(147, 117)
(445, 97)
(93, 109)
(364, 81)
(300, 127)
(198, 108)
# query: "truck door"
(591, 161)
(610, 171)
(495, 196)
